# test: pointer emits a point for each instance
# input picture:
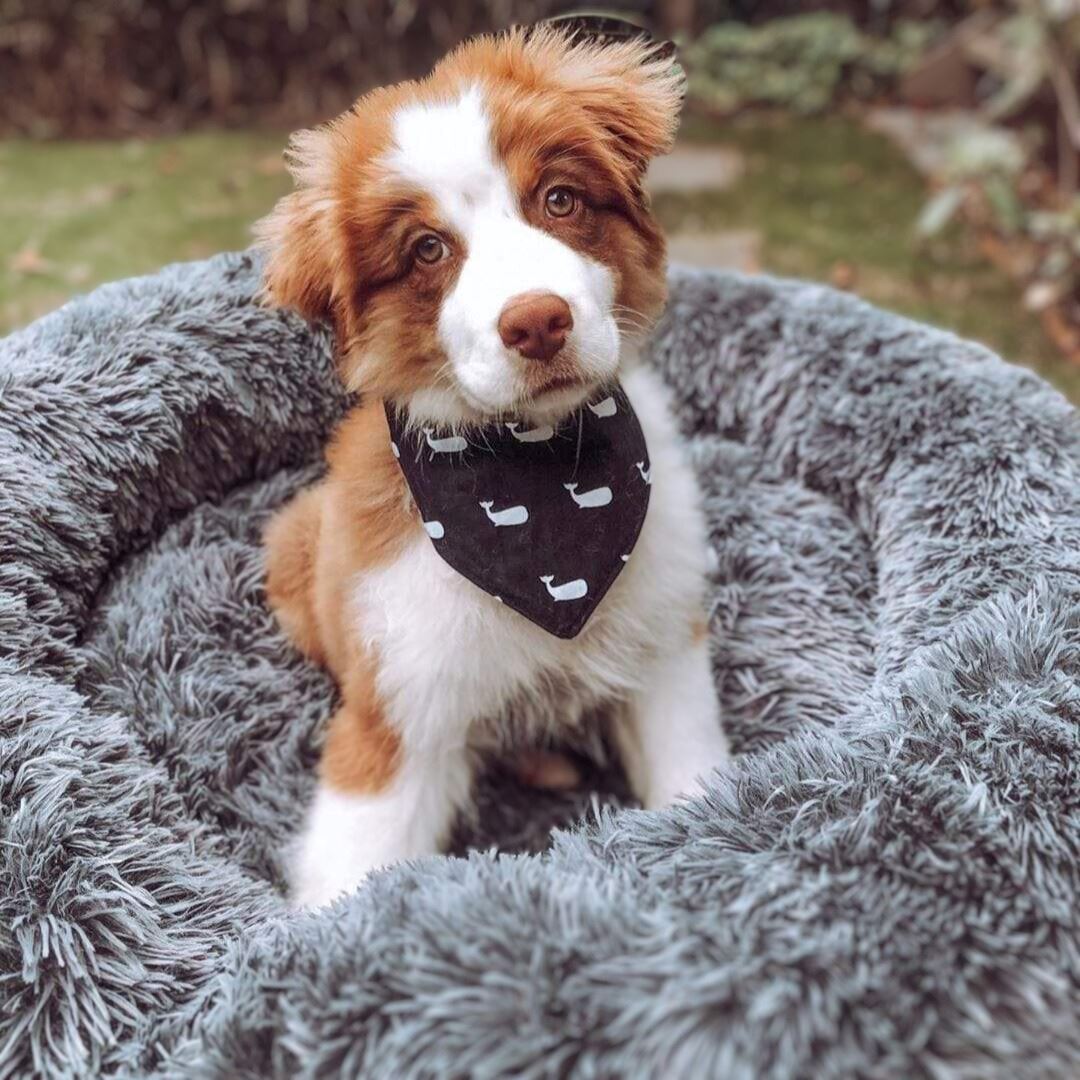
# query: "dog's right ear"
(298, 237)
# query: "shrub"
(1022, 182)
(106, 67)
(801, 63)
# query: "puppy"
(482, 246)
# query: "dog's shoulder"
(371, 499)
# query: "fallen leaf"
(842, 275)
(169, 162)
(29, 261)
(271, 165)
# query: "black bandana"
(541, 518)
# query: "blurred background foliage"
(924, 154)
(105, 67)
(803, 62)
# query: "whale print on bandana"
(542, 518)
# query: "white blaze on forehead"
(446, 149)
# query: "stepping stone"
(926, 138)
(733, 249)
(696, 168)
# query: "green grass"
(74, 214)
(820, 192)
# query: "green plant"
(1030, 53)
(1034, 45)
(987, 161)
(800, 63)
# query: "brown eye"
(429, 249)
(560, 202)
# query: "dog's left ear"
(634, 87)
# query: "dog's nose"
(535, 324)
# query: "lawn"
(74, 214)
(829, 201)
(833, 201)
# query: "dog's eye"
(429, 249)
(560, 202)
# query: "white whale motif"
(434, 529)
(646, 474)
(570, 590)
(453, 444)
(394, 449)
(540, 434)
(604, 408)
(600, 496)
(512, 515)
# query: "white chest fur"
(449, 655)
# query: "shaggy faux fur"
(887, 884)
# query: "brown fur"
(360, 516)
(362, 753)
(291, 541)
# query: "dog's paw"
(337, 850)
(316, 888)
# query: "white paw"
(671, 790)
(680, 779)
(349, 835)
(342, 843)
(319, 886)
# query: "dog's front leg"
(670, 736)
(379, 800)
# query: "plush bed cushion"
(887, 883)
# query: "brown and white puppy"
(482, 246)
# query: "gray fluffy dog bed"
(888, 884)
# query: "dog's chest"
(451, 654)
(542, 517)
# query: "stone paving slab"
(925, 137)
(696, 168)
(736, 249)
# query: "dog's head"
(480, 239)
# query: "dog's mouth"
(557, 397)
(559, 384)
(565, 382)
(544, 392)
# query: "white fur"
(347, 836)
(450, 657)
(446, 149)
(664, 761)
